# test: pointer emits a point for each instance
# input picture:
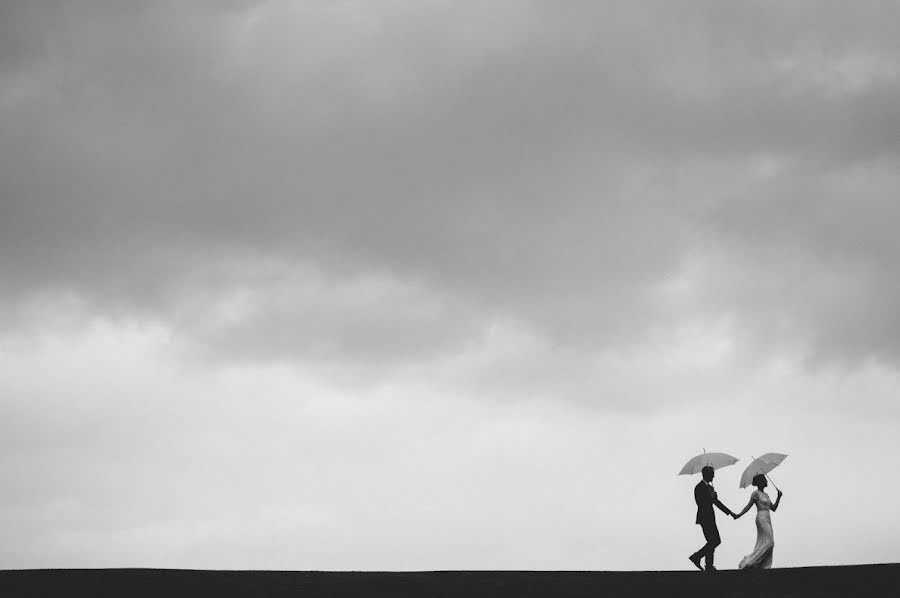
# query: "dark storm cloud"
(561, 165)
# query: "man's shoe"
(710, 569)
(696, 562)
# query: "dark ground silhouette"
(866, 580)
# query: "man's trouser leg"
(711, 533)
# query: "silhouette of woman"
(761, 557)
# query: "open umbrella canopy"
(762, 465)
(714, 460)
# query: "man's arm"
(722, 507)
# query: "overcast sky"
(438, 284)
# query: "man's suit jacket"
(703, 496)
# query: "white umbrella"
(714, 460)
(762, 465)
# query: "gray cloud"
(559, 165)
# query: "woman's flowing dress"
(761, 557)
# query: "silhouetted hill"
(867, 580)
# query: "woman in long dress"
(761, 557)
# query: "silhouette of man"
(705, 497)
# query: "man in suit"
(705, 497)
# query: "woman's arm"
(747, 508)
(777, 500)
